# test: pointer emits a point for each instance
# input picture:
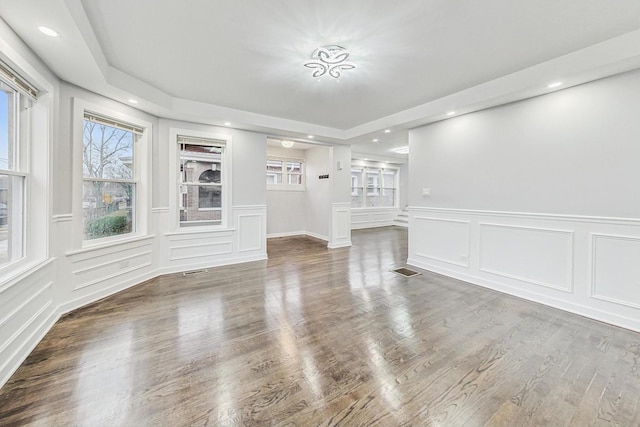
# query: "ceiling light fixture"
(48, 31)
(286, 144)
(401, 150)
(133, 101)
(375, 140)
(330, 60)
(555, 84)
(227, 124)
(387, 130)
(451, 113)
(310, 136)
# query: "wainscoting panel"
(540, 256)
(585, 265)
(440, 240)
(616, 269)
(370, 217)
(250, 232)
(27, 312)
(340, 225)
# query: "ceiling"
(240, 61)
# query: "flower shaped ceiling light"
(330, 60)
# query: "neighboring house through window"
(201, 181)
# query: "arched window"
(209, 196)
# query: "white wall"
(319, 197)
(537, 198)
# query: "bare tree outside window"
(109, 180)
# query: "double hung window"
(109, 184)
(373, 188)
(285, 174)
(201, 181)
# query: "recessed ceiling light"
(48, 31)
(387, 130)
(227, 124)
(554, 84)
(133, 101)
(451, 113)
(375, 140)
(310, 136)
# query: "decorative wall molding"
(461, 253)
(340, 225)
(586, 265)
(632, 260)
(540, 216)
(162, 210)
(568, 287)
(373, 217)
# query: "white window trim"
(286, 186)
(396, 196)
(174, 177)
(142, 156)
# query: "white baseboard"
(339, 245)
(317, 236)
(287, 234)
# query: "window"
(12, 174)
(373, 188)
(285, 174)
(201, 181)
(109, 177)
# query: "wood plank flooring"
(325, 337)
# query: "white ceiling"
(241, 61)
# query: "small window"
(285, 174)
(201, 183)
(109, 177)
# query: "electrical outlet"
(426, 192)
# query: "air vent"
(405, 272)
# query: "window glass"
(201, 184)
(284, 173)
(12, 180)
(109, 187)
(372, 187)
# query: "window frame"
(285, 185)
(21, 106)
(176, 196)
(379, 188)
(142, 173)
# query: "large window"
(12, 174)
(373, 188)
(285, 174)
(109, 177)
(201, 181)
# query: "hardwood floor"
(325, 337)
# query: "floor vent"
(405, 272)
(192, 272)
